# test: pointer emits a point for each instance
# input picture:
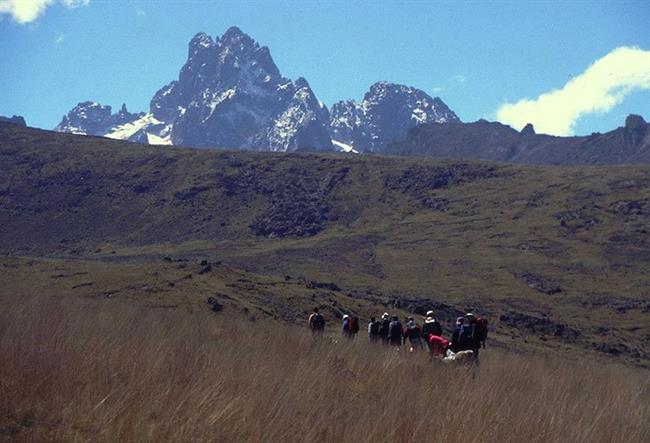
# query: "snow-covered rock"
(386, 114)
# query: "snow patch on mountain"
(342, 147)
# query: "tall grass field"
(76, 370)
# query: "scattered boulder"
(320, 285)
(538, 283)
(539, 325)
(631, 207)
(578, 219)
(214, 304)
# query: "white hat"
(345, 316)
(385, 315)
(429, 313)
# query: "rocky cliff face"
(386, 114)
(229, 94)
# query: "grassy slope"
(80, 370)
(392, 231)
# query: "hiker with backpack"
(482, 327)
(384, 327)
(395, 332)
(455, 344)
(374, 330)
(354, 326)
(346, 326)
(413, 334)
(430, 327)
(316, 322)
(466, 337)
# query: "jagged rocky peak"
(231, 94)
(92, 118)
(387, 112)
(529, 129)
(199, 42)
(635, 129)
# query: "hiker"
(474, 334)
(430, 327)
(316, 322)
(374, 330)
(346, 326)
(466, 337)
(413, 334)
(438, 346)
(385, 326)
(354, 326)
(482, 329)
(395, 332)
(455, 346)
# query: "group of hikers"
(469, 334)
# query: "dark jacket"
(433, 328)
(395, 332)
(383, 329)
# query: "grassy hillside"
(557, 257)
(94, 370)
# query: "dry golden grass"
(79, 370)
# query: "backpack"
(354, 325)
(374, 328)
(465, 337)
(481, 329)
(318, 322)
(432, 328)
(395, 330)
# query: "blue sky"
(477, 56)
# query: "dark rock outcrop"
(15, 120)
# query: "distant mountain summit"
(386, 114)
(229, 94)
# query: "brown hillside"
(557, 257)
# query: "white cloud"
(140, 12)
(59, 38)
(25, 11)
(602, 86)
(460, 78)
(437, 89)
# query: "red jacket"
(438, 344)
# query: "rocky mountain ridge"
(230, 94)
(386, 114)
(629, 144)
